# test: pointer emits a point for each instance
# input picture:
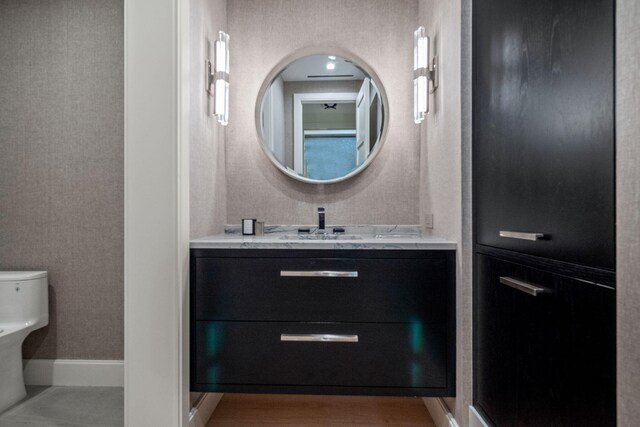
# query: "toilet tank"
(24, 298)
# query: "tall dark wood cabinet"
(544, 212)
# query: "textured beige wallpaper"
(628, 209)
(440, 181)
(263, 32)
(207, 184)
(207, 187)
(441, 176)
(61, 167)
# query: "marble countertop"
(404, 237)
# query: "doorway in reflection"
(329, 143)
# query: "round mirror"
(321, 118)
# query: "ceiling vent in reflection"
(331, 76)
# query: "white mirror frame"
(275, 72)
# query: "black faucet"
(321, 220)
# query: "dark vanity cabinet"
(323, 321)
(544, 210)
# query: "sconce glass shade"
(221, 79)
(420, 75)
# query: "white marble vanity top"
(354, 237)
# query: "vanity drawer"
(323, 289)
(228, 356)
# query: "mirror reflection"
(321, 118)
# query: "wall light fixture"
(423, 73)
(218, 78)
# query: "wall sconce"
(423, 73)
(217, 78)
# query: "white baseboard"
(475, 419)
(61, 372)
(441, 415)
(203, 409)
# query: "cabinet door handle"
(318, 337)
(522, 286)
(319, 273)
(521, 236)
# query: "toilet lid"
(21, 275)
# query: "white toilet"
(24, 307)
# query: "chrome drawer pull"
(318, 338)
(521, 236)
(522, 286)
(325, 273)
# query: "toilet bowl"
(24, 307)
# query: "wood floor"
(247, 410)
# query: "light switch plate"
(428, 221)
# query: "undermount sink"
(320, 237)
(396, 236)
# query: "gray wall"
(207, 195)
(628, 213)
(465, 252)
(61, 167)
(266, 31)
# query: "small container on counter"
(248, 227)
